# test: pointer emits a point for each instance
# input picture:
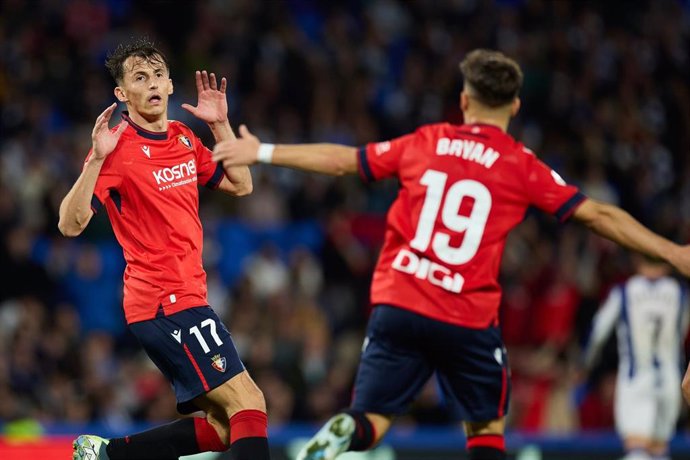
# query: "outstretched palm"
(212, 104)
(104, 140)
(238, 152)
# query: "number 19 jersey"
(462, 189)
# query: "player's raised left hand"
(238, 152)
(212, 104)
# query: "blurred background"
(606, 102)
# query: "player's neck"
(499, 121)
(157, 125)
(653, 272)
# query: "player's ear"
(171, 89)
(120, 94)
(515, 107)
(464, 101)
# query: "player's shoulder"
(435, 127)
(618, 288)
(123, 147)
(643, 283)
(524, 150)
(437, 133)
(115, 128)
(431, 130)
(177, 127)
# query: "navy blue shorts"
(403, 349)
(193, 349)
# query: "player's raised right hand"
(238, 152)
(103, 139)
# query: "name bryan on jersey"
(467, 150)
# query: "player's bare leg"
(658, 448)
(237, 410)
(238, 403)
(343, 432)
(637, 447)
(485, 439)
(219, 421)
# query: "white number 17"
(212, 325)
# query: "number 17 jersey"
(463, 188)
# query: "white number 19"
(473, 225)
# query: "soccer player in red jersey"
(435, 288)
(146, 172)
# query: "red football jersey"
(462, 189)
(148, 186)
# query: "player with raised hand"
(435, 288)
(146, 172)
(103, 141)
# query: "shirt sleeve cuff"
(96, 204)
(217, 177)
(568, 208)
(363, 166)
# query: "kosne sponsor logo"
(165, 175)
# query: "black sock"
(255, 448)
(167, 442)
(486, 453)
(363, 437)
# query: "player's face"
(145, 87)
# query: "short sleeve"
(209, 172)
(547, 190)
(108, 182)
(381, 160)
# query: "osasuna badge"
(218, 362)
(185, 140)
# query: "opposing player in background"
(146, 172)
(650, 314)
(435, 288)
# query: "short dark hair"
(140, 47)
(494, 78)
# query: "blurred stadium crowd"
(606, 102)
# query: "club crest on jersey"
(218, 363)
(185, 140)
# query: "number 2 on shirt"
(473, 225)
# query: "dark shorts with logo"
(403, 349)
(193, 349)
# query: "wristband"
(265, 153)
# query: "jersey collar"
(484, 125)
(156, 136)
